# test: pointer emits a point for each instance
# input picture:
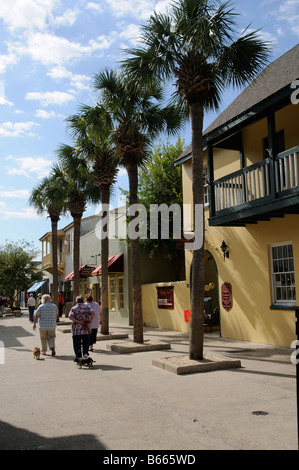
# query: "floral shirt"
(80, 312)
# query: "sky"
(49, 53)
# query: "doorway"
(212, 316)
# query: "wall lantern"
(224, 249)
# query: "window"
(283, 277)
(206, 185)
(68, 244)
(116, 293)
(112, 305)
(120, 293)
(280, 145)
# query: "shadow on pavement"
(10, 334)
(13, 438)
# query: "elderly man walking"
(46, 316)
(31, 307)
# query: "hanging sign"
(165, 297)
(226, 296)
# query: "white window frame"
(112, 293)
(120, 293)
(206, 186)
(282, 271)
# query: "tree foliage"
(17, 272)
(160, 182)
(199, 44)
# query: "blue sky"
(49, 52)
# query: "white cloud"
(8, 212)
(122, 171)
(30, 167)
(95, 7)
(3, 101)
(68, 18)
(26, 14)
(50, 49)
(77, 81)
(50, 97)
(17, 129)
(41, 113)
(25, 213)
(59, 72)
(103, 42)
(7, 60)
(131, 33)
(140, 9)
(162, 6)
(14, 193)
(288, 11)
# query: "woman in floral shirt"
(81, 316)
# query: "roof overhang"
(257, 112)
(85, 271)
(36, 286)
(115, 264)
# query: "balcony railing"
(253, 184)
(47, 260)
(287, 170)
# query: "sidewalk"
(127, 403)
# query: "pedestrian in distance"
(46, 316)
(81, 316)
(96, 307)
(31, 306)
(39, 300)
(60, 304)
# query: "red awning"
(85, 271)
(111, 261)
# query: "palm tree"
(138, 117)
(73, 176)
(196, 45)
(92, 131)
(48, 196)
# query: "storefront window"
(112, 294)
(120, 285)
(283, 277)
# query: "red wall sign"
(226, 296)
(165, 297)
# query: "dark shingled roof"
(276, 76)
(273, 78)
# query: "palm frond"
(242, 60)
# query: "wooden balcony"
(267, 189)
(47, 264)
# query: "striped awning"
(115, 261)
(85, 271)
(36, 286)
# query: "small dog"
(36, 353)
(85, 362)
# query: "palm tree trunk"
(198, 270)
(76, 256)
(135, 261)
(54, 223)
(105, 196)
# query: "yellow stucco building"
(251, 178)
